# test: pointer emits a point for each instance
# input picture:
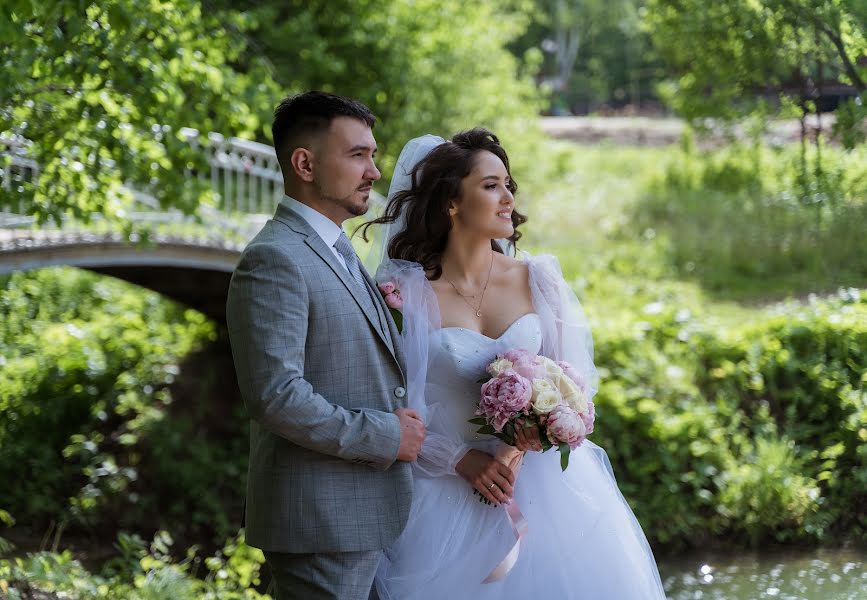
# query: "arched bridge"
(188, 260)
(194, 272)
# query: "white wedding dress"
(582, 540)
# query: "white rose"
(552, 369)
(498, 366)
(573, 395)
(545, 397)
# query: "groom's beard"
(354, 208)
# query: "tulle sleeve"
(443, 448)
(565, 331)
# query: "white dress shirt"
(324, 227)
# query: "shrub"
(88, 426)
(143, 573)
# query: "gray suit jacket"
(320, 378)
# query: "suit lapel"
(312, 239)
(380, 308)
(395, 336)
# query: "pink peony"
(394, 300)
(589, 417)
(525, 364)
(564, 425)
(573, 374)
(392, 296)
(386, 288)
(503, 397)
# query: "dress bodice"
(458, 362)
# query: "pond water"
(805, 575)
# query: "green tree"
(421, 65)
(733, 56)
(594, 53)
(103, 89)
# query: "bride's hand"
(527, 437)
(491, 478)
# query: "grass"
(724, 235)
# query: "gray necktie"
(344, 247)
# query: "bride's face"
(485, 206)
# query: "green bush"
(765, 495)
(141, 573)
(750, 435)
(88, 426)
(668, 447)
(804, 373)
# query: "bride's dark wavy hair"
(436, 180)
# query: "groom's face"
(344, 170)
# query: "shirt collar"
(324, 227)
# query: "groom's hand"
(412, 432)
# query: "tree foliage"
(104, 89)
(423, 66)
(596, 53)
(735, 55)
(88, 426)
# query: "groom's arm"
(267, 318)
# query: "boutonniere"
(394, 301)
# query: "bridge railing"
(244, 175)
(16, 168)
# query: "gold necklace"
(477, 309)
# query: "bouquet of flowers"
(526, 389)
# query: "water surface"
(797, 575)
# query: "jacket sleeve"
(267, 318)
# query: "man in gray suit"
(320, 367)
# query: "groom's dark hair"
(299, 118)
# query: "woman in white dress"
(487, 520)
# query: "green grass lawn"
(720, 234)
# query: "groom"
(319, 366)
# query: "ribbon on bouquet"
(519, 528)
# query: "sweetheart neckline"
(487, 337)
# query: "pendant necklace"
(476, 309)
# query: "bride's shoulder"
(541, 266)
(512, 265)
(510, 272)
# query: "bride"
(489, 520)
